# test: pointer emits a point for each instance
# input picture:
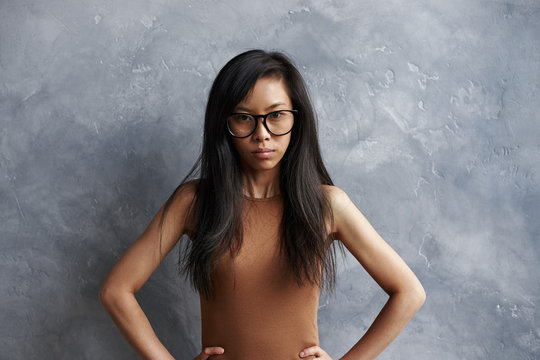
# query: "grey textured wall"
(428, 115)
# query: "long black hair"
(306, 241)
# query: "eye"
(275, 115)
(242, 117)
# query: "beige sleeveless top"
(258, 312)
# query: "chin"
(268, 166)
(263, 165)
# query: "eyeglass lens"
(278, 123)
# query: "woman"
(264, 220)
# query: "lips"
(262, 153)
(262, 150)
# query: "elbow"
(421, 296)
(108, 296)
(418, 297)
(104, 295)
(411, 297)
(112, 296)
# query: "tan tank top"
(259, 312)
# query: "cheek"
(286, 142)
(237, 145)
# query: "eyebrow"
(273, 106)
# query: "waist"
(260, 345)
(259, 332)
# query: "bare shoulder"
(341, 206)
(183, 197)
(179, 208)
(338, 199)
(189, 188)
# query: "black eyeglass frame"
(256, 117)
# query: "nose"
(261, 133)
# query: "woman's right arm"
(117, 294)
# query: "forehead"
(267, 91)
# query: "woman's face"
(262, 150)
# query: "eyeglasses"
(278, 123)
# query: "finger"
(213, 350)
(209, 351)
(314, 350)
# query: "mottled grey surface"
(428, 114)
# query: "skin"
(406, 294)
(262, 175)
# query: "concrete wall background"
(429, 120)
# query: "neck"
(261, 183)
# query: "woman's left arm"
(386, 267)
